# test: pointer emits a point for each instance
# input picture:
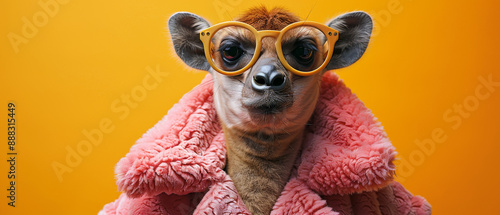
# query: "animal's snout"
(269, 90)
(268, 77)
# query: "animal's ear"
(185, 30)
(354, 29)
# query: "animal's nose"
(268, 78)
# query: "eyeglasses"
(303, 48)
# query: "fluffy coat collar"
(179, 162)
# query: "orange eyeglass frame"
(331, 34)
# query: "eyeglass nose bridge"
(268, 33)
(260, 35)
(265, 33)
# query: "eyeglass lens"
(304, 48)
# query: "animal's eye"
(304, 54)
(231, 53)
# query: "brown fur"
(262, 19)
(260, 160)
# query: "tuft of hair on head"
(262, 19)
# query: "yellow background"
(424, 57)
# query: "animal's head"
(267, 66)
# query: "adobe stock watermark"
(122, 107)
(454, 116)
(383, 18)
(48, 9)
(224, 7)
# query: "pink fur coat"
(345, 166)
